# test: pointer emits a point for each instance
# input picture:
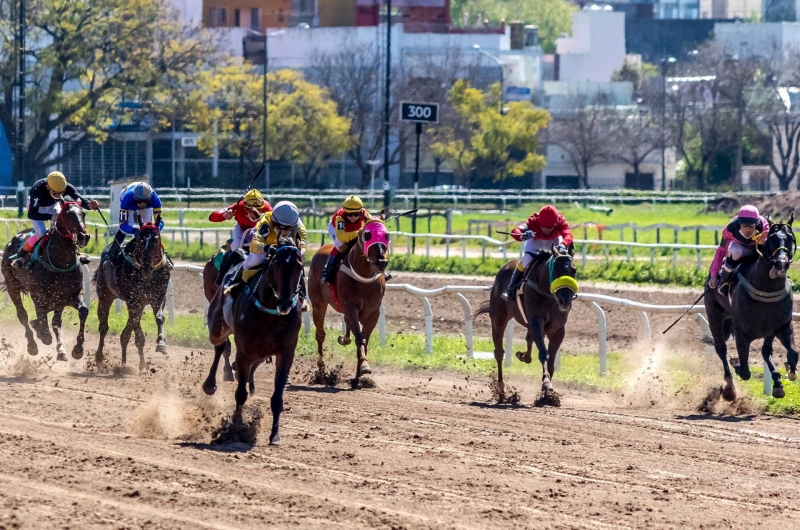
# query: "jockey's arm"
(520, 233)
(301, 238)
(343, 235)
(222, 215)
(86, 204)
(260, 234)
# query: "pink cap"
(748, 212)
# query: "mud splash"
(508, 397)
(241, 427)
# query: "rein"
(251, 293)
(47, 260)
(138, 266)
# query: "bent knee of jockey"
(526, 260)
(521, 265)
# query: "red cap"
(548, 216)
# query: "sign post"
(418, 113)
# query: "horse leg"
(103, 309)
(743, 348)
(351, 320)
(766, 353)
(283, 364)
(786, 337)
(536, 334)
(345, 340)
(83, 314)
(717, 326)
(243, 367)
(210, 385)
(367, 327)
(139, 339)
(61, 352)
(552, 349)
(40, 326)
(499, 324)
(125, 335)
(22, 315)
(227, 371)
(318, 314)
(161, 344)
(252, 382)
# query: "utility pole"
(387, 106)
(21, 97)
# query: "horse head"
(283, 275)
(71, 224)
(562, 277)
(374, 241)
(147, 248)
(779, 247)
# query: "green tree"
(227, 110)
(87, 57)
(486, 142)
(553, 17)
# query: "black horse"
(265, 320)
(759, 307)
(143, 272)
(543, 308)
(53, 279)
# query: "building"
(252, 14)
(596, 48)
(765, 39)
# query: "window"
(237, 18)
(217, 16)
(255, 19)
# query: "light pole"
(266, 37)
(664, 63)
(477, 48)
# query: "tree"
(85, 59)
(303, 126)
(552, 17)
(638, 75)
(633, 137)
(488, 142)
(582, 130)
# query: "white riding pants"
(533, 246)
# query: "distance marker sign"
(419, 112)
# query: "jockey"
(343, 229)
(739, 240)
(246, 212)
(283, 221)
(44, 204)
(136, 201)
(542, 230)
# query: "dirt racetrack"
(422, 450)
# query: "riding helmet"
(254, 199)
(285, 214)
(548, 216)
(142, 191)
(57, 182)
(748, 212)
(353, 204)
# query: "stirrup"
(509, 294)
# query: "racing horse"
(264, 320)
(542, 306)
(143, 272)
(53, 279)
(759, 306)
(357, 292)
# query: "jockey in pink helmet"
(739, 241)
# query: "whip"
(687, 311)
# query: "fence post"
(118, 305)
(674, 258)
(699, 260)
(483, 250)
(448, 218)
(87, 285)
(447, 248)
(767, 380)
(583, 254)
(307, 323)
(463, 250)
(628, 253)
(652, 256)
(601, 335)
(427, 247)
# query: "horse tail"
(483, 309)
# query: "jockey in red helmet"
(542, 230)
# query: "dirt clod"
(239, 428)
(509, 397)
(362, 383)
(548, 398)
(713, 403)
(329, 377)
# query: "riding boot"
(20, 258)
(235, 284)
(725, 276)
(513, 285)
(224, 267)
(331, 268)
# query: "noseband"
(790, 250)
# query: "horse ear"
(571, 250)
(769, 220)
(791, 218)
(554, 250)
(383, 215)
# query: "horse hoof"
(547, 386)
(792, 374)
(33, 349)
(62, 356)
(365, 369)
(729, 392)
(778, 392)
(288, 382)
(275, 440)
(47, 340)
(227, 375)
(523, 357)
(161, 348)
(744, 373)
(209, 389)
(344, 341)
(77, 352)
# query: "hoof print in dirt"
(241, 427)
(548, 398)
(123, 370)
(362, 383)
(326, 377)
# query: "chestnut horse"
(53, 279)
(359, 287)
(264, 320)
(542, 307)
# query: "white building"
(596, 48)
(765, 39)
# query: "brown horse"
(143, 273)
(264, 319)
(359, 286)
(546, 300)
(53, 279)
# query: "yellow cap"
(57, 182)
(353, 204)
(254, 199)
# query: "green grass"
(789, 405)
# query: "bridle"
(67, 233)
(567, 281)
(790, 250)
(266, 272)
(133, 259)
(362, 244)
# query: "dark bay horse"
(759, 307)
(143, 273)
(359, 286)
(542, 307)
(265, 320)
(53, 279)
